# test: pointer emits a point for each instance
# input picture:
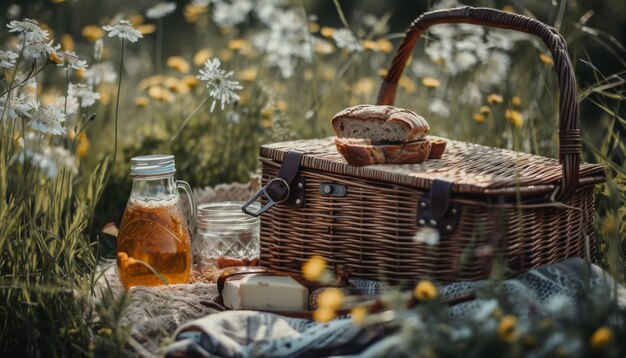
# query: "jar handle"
(181, 184)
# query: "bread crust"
(361, 152)
(416, 126)
(437, 147)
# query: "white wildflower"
(86, 94)
(230, 14)
(14, 11)
(37, 48)
(48, 119)
(464, 61)
(440, 107)
(497, 66)
(233, 117)
(18, 106)
(266, 10)
(160, 10)
(100, 72)
(123, 29)
(7, 59)
(98, 48)
(346, 40)
(505, 40)
(70, 59)
(29, 29)
(52, 159)
(70, 108)
(285, 42)
(427, 236)
(220, 87)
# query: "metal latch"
(287, 189)
(333, 189)
(436, 210)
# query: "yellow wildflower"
(508, 8)
(282, 106)
(313, 27)
(146, 29)
(479, 117)
(142, 101)
(328, 72)
(431, 82)
(327, 31)
(370, 45)
(610, 225)
(160, 94)
(193, 11)
(151, 81)
(546, 59)
(190, 81)
(382, 72)
(238, 44)
(358, 314)
(494, 98)
(516, 101)
(82, 148)
(266, 122)
(178, 63)
(314, 268)
(201, 56)
(364, 87)
(67, 42)
(385, 45)
(226, 54)
(105, 331)
(58, 1)
(407, 84)
(601, 337)
(425, 290)
(248, 74)
(324, 315)
(323, 47)
(80, 73)
(438, 60)
(484, 110)
(507, 329)
(170, 82)
(92, 32)
(105, 95)
(54, 57)
(515, 117)
(330, 298)
(137, 20)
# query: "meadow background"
(298, 63)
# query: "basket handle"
(569, 128)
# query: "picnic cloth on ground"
(257, 334)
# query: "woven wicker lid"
(472, 168)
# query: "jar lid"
(224, 214)
(156, 164)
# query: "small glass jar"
(225, 236)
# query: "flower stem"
(182, 126)
(117, 106)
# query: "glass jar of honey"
(154, 241)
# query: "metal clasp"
(270, 201)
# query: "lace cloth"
(157, 313)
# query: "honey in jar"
(154, 241)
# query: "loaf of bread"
(361, 152)
(380, 124)
(368, 134)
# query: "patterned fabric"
(255, 334)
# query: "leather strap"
(440, 198)
(288, 172)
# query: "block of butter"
(265, 292)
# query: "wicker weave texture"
(371, 229)
(473, 168)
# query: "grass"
(49, 241)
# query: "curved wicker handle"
(569, 129)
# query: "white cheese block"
(260, 292)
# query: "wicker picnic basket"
(484, 202)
